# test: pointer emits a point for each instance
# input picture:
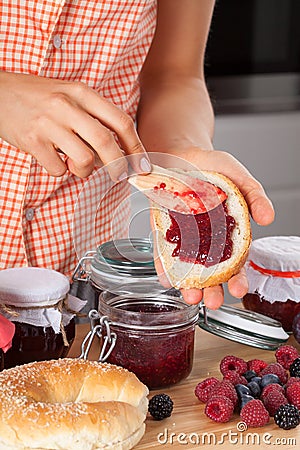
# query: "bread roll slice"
(186, 275)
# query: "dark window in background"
(252, 59)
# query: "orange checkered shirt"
(102, 43)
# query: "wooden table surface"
(188, 427)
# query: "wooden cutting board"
(188, 427)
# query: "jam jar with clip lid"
(152, 332)
(273, 272)
(36, 300)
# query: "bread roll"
(71, 404)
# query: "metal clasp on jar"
(101, 330)
(82, 271)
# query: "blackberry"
(160, 406)
(287, 417)
(295, 368)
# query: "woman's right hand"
(42, 116)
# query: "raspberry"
(285, 355)
(226, 389)
(231, 362)
(219, 408)
(257, 365)
(273, 401)
(254, 414)
(203, 389)
(293, 394)
(235, 378)
(291, 381)
(271, 388)
(276, 369)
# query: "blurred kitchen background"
(253, 76)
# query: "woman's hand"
(43, 116)
(260, 208)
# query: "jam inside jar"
(32, 343)
(282, 311)
(155, 336)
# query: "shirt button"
(29, 214)
(57, 41)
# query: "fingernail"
(145, 165)
(123, 176)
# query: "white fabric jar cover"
(33, 295)
(280, 254)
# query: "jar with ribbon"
(273, 271)
(37, 301)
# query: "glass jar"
(111, 265)
(154, 332)
(36, 300)
(273, 271)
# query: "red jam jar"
(154, 332)
(36, 300)
(273, 271)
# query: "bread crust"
(71, 404)
(183, 275)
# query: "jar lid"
(273, 268)
(279, 253)
(122, 261)
(243, 326)
(127, 255)
(32, 286)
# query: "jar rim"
(171, 311)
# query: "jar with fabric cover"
(38, 303)
(273, 272)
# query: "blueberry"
(241, 389)
(245, 399)
(249, 374)
(257, 380)
(269, 378)
(254, 388)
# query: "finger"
(213, 297)
(260, 205)
(192, 296)
(118, 121)
(48, 157)
(103, 142)
(238, 284)
(81, 159)
(88, 135)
